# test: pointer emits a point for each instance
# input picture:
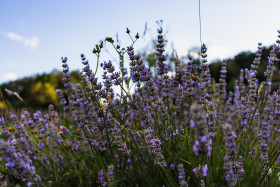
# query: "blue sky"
(35, 34)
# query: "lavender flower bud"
(154, 148)
(101, 178)
(65, 130)
(182, 176)
(202, 144)
(201, 171)
(110, 175)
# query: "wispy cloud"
(10, 77)
(30, 42)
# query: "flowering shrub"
(181, 130)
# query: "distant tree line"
(39, 91)
(244, 60)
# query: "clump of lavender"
(242, 87)
(17, 166)
(162, 68)
(234, 169)
(253, 84)
(200, 172)
(182, 176)
(66, 75)
(276, 114)
(239, 165)
(257, 59)
(101, 178)
(122, 148)
(188, 81)
(244, 111)
(263, 137)
(154, 148)
(127, 127)
(139, 72)
(202, 144)
(205, 67)
(272, 59)
(211, 114)
(110, 175)
(222, 80)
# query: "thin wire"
(200, 24)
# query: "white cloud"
(30, 42)
(10, 77)
(14, 36)
(33, 42)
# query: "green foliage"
(37, 91)
(243, 60)
(42, 94)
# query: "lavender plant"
(156, 123)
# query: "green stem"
(98, 55)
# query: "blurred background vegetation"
(40, 90)
(36, 91)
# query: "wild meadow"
(137, 127)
